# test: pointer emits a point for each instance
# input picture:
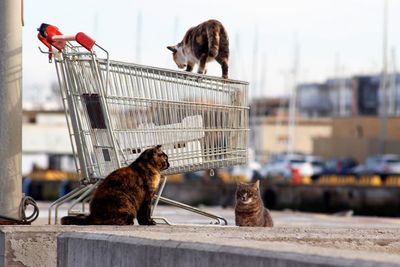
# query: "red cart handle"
(50, 36)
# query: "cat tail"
(75, 220)
(213, 41)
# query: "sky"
(327, 37)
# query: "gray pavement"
(281, 218)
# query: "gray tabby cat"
(249, 209)
(203, 43)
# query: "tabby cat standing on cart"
(203, 43)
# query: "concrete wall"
(357, 148)
(87, 249)
(347, 245)
(365, 127)
(27, 246)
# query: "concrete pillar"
(10, 106)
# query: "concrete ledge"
(196, 245)
(93, 249)
(28, 246)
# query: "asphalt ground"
(285, 218)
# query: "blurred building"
(358, 137)
(356, 96)
(365, 95)
(340, 93)
(313, 100)
(340, 117)
(272, 136)
(269, 106)
(45, 141)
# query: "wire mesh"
(117, 110)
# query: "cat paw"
(151, 222)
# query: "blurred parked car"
(284, 164)
(342, 165)
(314, 166)
(380, 164)
(243, 173)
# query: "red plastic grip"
(85, 40)
(47, 32)
(53, 31)
(44, 41)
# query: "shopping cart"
(116, 110)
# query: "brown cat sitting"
(249, 209)
(126, 193)
(201, 44)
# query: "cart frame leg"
(83, 192)
(219, 220)
(63, 199)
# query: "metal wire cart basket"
(116, 110)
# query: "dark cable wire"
(23, 219)
(26, 201)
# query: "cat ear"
(172, 48)
(257, 184)
(158, 147)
